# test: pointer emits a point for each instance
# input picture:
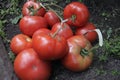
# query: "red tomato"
(79, 58)
(86, 31)
(50, 46)
(33, 8)
(64, 30)
(29, 24)
(28, 66)
(41, 31)
(76, 13)
(51, 18)
(20, 42)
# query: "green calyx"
(84, 52)
(73, 17)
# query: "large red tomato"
(20, 42)
(33, 8)
(29, 24)
(51, 18)
(76, 13)
(79, 57)
(64, 30)
(86, 30)
(49, 46)
(28, 66)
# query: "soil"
(105, 14)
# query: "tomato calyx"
(32, 10)
(84, 52)
(73, 17)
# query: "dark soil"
(105, 14)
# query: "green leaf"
(16, 19)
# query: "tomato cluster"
(45, 37)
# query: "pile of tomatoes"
(46, 37)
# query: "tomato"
(86, 30)
(28, 66)
(29, 24)
(40, 31)
(20, 42)
(79, 56)
(51, 18)
(33, 8)
(76, 13)
(49, 46)
(64, 30)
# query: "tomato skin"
(74, 61)
(65, 31)
(28, 66)
(26, 11)
(20, 42)
(77, 10)
(84, 30)
(41, 31)
(29, 24)
(51, 18)
(50, 47)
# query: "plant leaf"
(16, 19)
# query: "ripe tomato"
(79, 58)
(51, 18)
(76, 13)
(41, 31)
(29, 24)
(86, 30)
(20, 42)
(50, 46)
(64, 30)
(28, 66)
(33, 8)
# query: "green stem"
(55, 13)
(52, 4)
(62, 24)
(53, 35)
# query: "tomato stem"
(73, 17)
(62, 23)
(99, 35)
(56, 13)
(93, 48)
(52, 4)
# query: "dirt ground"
(105, 14)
